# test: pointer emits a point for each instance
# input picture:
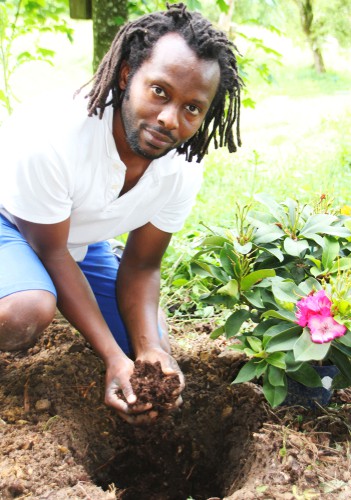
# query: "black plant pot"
(299, 394)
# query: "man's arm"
(77, 303)
(138, 290)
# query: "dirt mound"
(58, 439)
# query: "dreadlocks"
(134, 43)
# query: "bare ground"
(59, 441)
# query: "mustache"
(161, 131)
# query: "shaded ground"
(59, 441)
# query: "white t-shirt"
(56, 162)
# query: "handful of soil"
(151, 385)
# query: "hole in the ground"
(197, 453)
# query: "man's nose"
(168, 117)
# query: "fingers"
(140, 419)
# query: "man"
(70, 180)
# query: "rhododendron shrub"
(281, 274)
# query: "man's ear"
(123, 75)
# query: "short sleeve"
(35, 183)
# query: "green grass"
(292, 146)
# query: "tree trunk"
(306, 16)
(225, 20)
(107, 15)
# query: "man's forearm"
(77, 303)
(138, 292)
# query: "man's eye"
(158, 91)
(193, 109)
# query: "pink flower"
(317, 303)
(324, 328)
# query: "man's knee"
(23, 316)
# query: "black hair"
(133, 44)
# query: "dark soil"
(151, 385)
(59, 441)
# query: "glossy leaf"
(342, 362)
(277, 359)
(274, 395)
(317, 223)
(217, 332)
(343, 264)
(251, 279)
(246, 373)
(306, 350)
(285, 290)
(330, 251)
(306, 375)
(280, 314)
(231, 289)
(255, 343)
(267, 234)
(276, 376)
(235, 321)
(285, 340)
(295, 247)
(309, 285)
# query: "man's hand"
(118, 380)
(169, 367)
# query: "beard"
(132, 133)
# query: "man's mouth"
(157, 139)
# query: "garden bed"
(59, 441)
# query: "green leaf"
(223, 6)
(295, 247)
(267, 234)
(277, 359)
(261, 367)
(306, 375)
(276, 376)
(330, 251)
(345, 339)
(248, 281)
(342, 362)
(229, 260)
(253, 296)
(234, 322)
(231, 289)
(208, 270)
(263, 327)
(343, 264)
(217, 241)
(276, 209)
(284, 341)
(255, 343)
(217, 332)
(343, 348)
(275, 395)
(309, 285)
(275, 328)
(306, 350)
(247, 372)
(180, 282)
(286, 291)
(317, 223)
(276, 252)
(280, 314)
(243, 249)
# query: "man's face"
(168, 97)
